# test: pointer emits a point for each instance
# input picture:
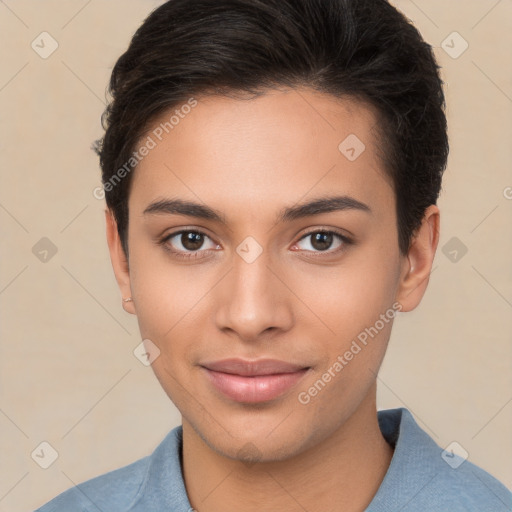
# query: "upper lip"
(249, 368)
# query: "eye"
(322, 240)
(187, 243)
(190, 243)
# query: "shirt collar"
(415, 463)
(163, 487)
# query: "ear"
(119, 260)
(417, 264)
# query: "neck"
(342, 472)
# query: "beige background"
(68, 373)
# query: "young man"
(271, 171)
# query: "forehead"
(278, 147)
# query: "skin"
(248, 159)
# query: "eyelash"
(196, 254)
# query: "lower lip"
(254, 389)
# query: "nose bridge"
(253, 299)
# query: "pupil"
(191, 241)
(322, 241)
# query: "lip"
(253, 368)
(253, 381)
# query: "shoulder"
(471, 488)
(113, 491)
(119, 490)
(423, 476)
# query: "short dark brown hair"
(363, 49)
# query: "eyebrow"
(313, 207)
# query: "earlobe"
(417, 266)
(119, 261)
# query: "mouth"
(253, 381)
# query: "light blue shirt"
(421, 477)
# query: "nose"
(253, 300)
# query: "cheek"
(350, 297)
(168, 305)
(166, 295)
(355, 346)
(350, 300)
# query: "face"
(251, 272)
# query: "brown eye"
(321, 241)
(191, 240)
(188, 243)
